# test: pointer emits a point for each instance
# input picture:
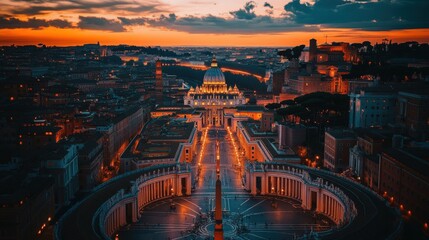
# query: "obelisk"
(218, 233)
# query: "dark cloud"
(246, 12)
(268, 5)
(33, 23)
(299, 16)
(132, 21)
(100, 23)
(361, 14)
(86, 6)
(219, 25)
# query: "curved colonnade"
(358, 212)
(286, 181)
(118, 202)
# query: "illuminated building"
(261, 146)
(214, 95)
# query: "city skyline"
(208, 23)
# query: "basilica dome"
(214, 75)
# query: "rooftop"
(252, 128)
(148, 151)
(341, 133)
(278, 154)
(414, 158)
(250, 108)
(165, 128)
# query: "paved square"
(245, 216)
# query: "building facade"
(372, 107)
(337, 145)
(214, 95)
(412, 113)
(404, 181)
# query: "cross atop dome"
(214, 75)
(214, 61)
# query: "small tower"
(158, 82)
(312, 50)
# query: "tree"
(252, 101)
(288, 102)
(273, 106)
(293, 53)
(291, 110)
(130, 63)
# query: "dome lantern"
(214, 62)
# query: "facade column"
(156, 190)
(288, 187)
(335, 210)
(299, 190)
(338, 212)
(294, 189)
(323, 203)
(110, 225)
(148, 193)
(144, 194)
(115, 219)
(329, 206)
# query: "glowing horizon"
(203, 23)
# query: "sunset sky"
(211, 23)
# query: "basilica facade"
(214, 95)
